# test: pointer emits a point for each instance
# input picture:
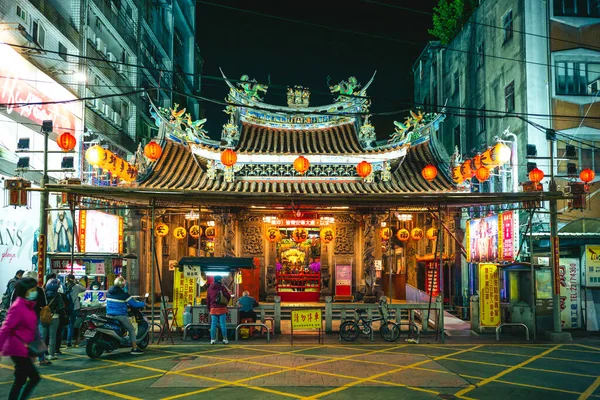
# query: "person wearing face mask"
(19, 329)
(40, 302)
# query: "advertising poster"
(570, 293)
(343, 280)
(592, 266)
(100, 232)
(508, 235)
(489, 295)
(483, 239)
(184, 293)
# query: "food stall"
(194, 275)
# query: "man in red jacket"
(217, 311)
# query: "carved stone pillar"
(344, 250)
(225, 241)
(371, 248)
(325, 272)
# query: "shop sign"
(570, 293)
(191, 272)
(592, 266)
(306, 319)
(300, 222)
(184, 293)
(100, 232)
(489, 295)
(64, 267)
(433, 272)
(94, 298)
(507, 221)
(343, 280)
(23, 83)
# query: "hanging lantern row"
(66, 141)
(479, 166)
(180, 232)
(105, 159)
(404, 235)
(153, 151)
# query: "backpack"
(46, 314)
(7, 296)
(221, 298)
(69, 304)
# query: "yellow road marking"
(552, 371)
(587, 347)
(95, 389)
(507, 371)
(373, 377)
(478, 362)
(571, 360)
(489, 352)
(589, 391)
(537, 387)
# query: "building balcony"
(123, 25)
(55, 18)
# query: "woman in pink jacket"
(20, 328)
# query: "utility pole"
(42, 244)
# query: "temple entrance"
(298, 265)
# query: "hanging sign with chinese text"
(184, 292)
(592, 266)
(570, 300)
(306, 319)
(489, 295)
(161, 230)
(179, 233)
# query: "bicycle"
(351, 329)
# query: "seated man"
(247, 304)
(116, 306)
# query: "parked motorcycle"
(105, 333)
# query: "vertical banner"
(508, 236)
(41, 258)
(556, 266)
(468, 244)
(120, 244)
(343, 280)
(184, 292)
(489, 295)
(592, 266)
(433, 273)
(570, 293)
(82, 227)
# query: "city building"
(520, 70)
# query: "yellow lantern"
(273, 234)
(416, 234)
(327, 235)
(179, 233)
(487, 160)
(432, 233)
(195, 231)
(161, 230)
(457, 176)
(403, 235)
(299, 235)
(501, 153)
(210, 232)
(386, 233)
(94, 155)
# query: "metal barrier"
(414, 295)
(499, 327)
(237, 329)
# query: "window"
(577, 78)
(507, 25)
(481, 120)
(62, 51)
(22, 14)
(456, 82)
(457, 137)
(577, 8)
(480, 55)
(509, 97)
(39, 34)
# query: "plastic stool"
(249, 321)
(272, 321)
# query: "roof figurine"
(252, 88)
(345, 89)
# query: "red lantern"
(587, 175)
(364, 169)
(66, 141)
(536, 175)
(429, 172)
(229, 158)
(466, 170)
(482, 174)
(153, 151)
(301, 165)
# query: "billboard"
(492, 238)
(489, 295)
(592, 266)
(100, 232)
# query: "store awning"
(217, 263)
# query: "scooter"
(105, 333)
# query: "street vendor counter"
(201, 319)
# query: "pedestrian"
(218, 311)
(74, 289)
(10, 288)
(19, 329)
(57, 308)
(247, 304)
(63, 318)
(40, 302)
(95, 285)
(116, 306)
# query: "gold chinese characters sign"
(306, 319)
(489, 295)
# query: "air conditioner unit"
(100, 46)
(111, 57)
(107, 111)
(91, 35)
(118, 120)
(121, 69)
(89, 93)
(100, 106)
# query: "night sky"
(287, 53)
